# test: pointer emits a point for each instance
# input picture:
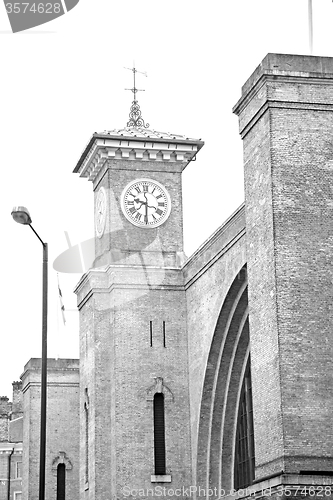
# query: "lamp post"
(22, 216)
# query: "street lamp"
(22, 216)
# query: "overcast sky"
(64, 80)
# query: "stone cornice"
(122, 277)
(258, 89)
(37, 383)
(6, 448)
(102, 148)
(246, 125)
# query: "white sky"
(62, 81)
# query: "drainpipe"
(9, 469)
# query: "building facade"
(62, 439)
(11, 445)
(229, 340)
(209, 376)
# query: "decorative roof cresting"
(135, 118)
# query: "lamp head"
(21, 215)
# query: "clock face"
(146, 203)
(100, 212)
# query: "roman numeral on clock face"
(145, 188)
(159, 211)
(161, 203)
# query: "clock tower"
(136, 175)
(135, 418)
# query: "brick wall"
(286, 121)
(62, 429)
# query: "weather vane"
(136, 119)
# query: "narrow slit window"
(159, 434)
(86, 444)
(61, 482)
(244, 446)
(86, 418)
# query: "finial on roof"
(136, 119)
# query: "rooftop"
(142, 132)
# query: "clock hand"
(146, 208)
(139, 201)
(146, 212)
(149, 206)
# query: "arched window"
(244, 446)
(61, 482)
(159, 434)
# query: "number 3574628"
(27, 8)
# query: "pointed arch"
(222, 387)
